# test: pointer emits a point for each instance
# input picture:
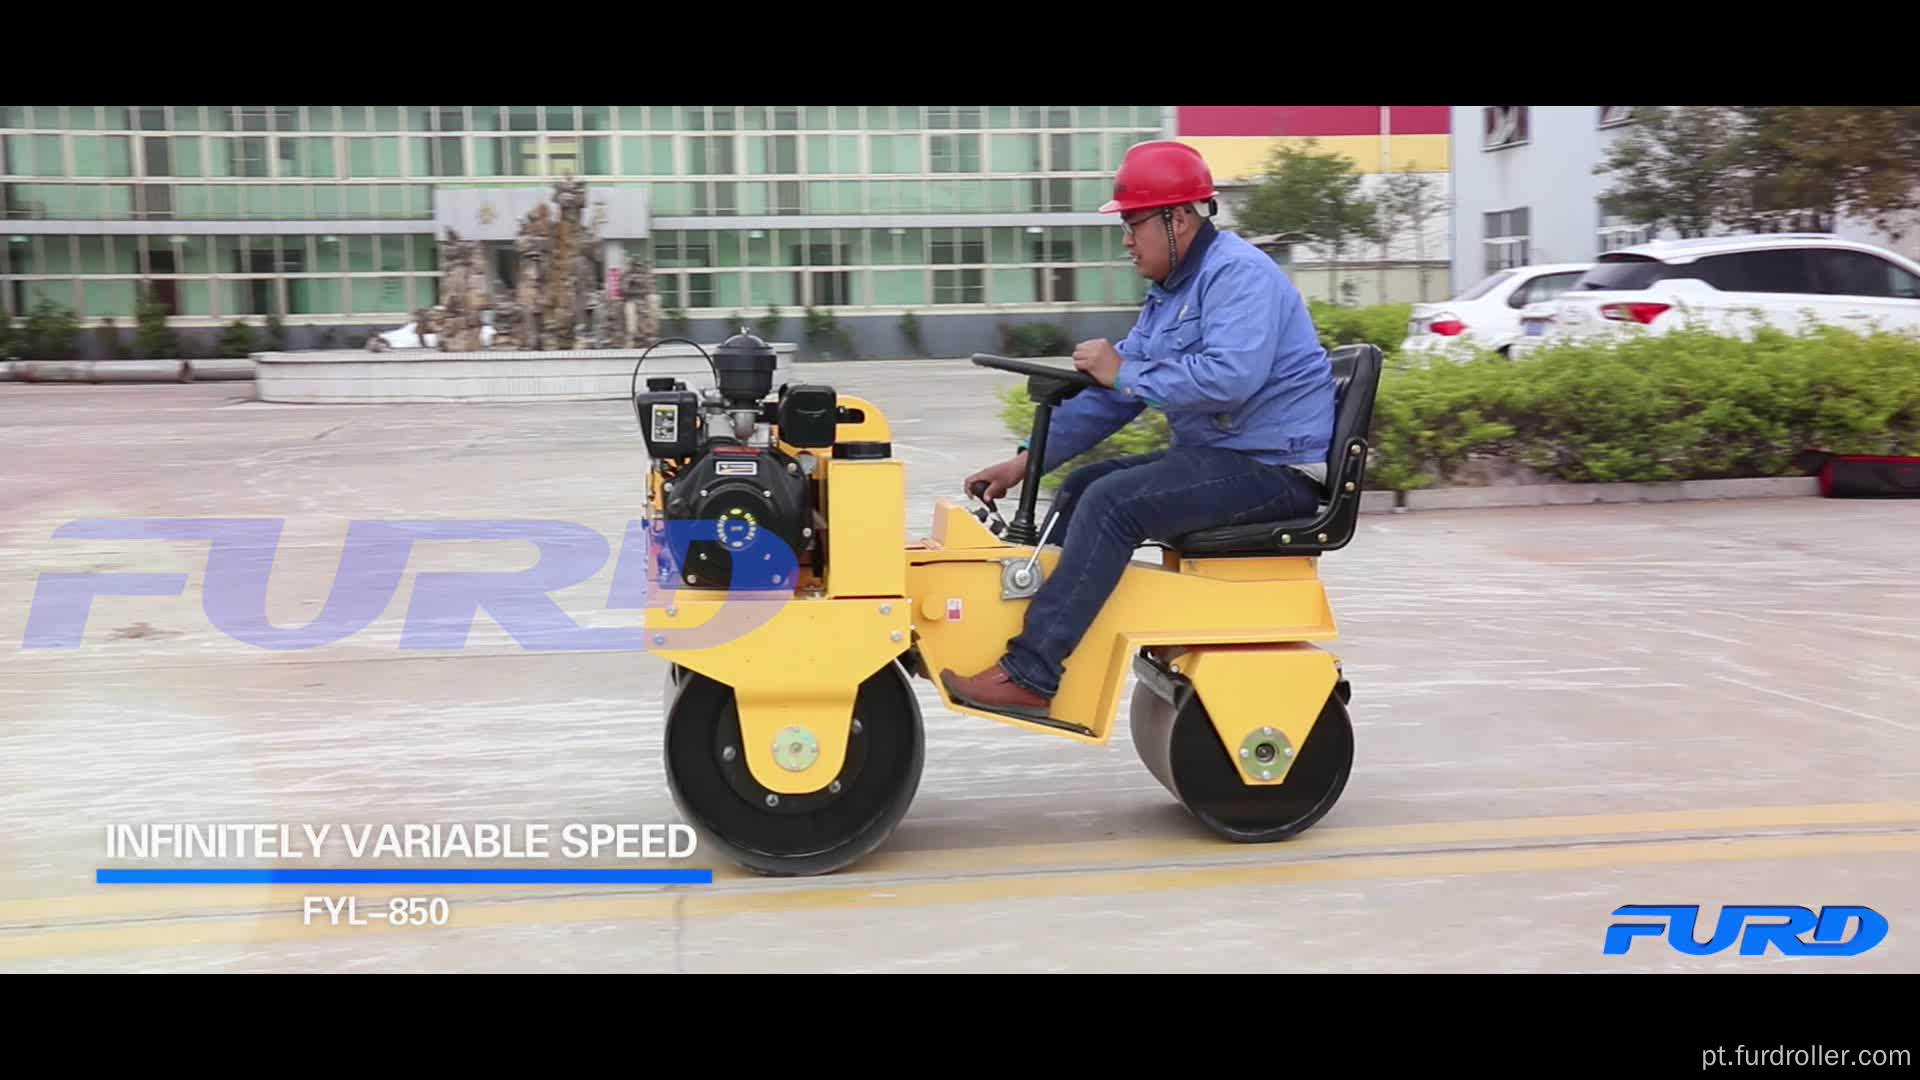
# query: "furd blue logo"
(241, 554)
(1795, 931)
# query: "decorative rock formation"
(466, 294)
(558, 300)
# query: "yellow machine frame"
(1241, 630)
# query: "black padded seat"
(1356, 381)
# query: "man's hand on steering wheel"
(1098, 359)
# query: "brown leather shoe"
(993, 690)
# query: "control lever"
(1023, 577)
(997, 525)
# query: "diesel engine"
(737, 509)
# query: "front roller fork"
(1255, 784)
(809, 833)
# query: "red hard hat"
(1156, 174)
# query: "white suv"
(1487, 316)
(1732, 286)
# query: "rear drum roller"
(675, 676)
(1181, 748)
(793, 835)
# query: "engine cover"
(746, 516)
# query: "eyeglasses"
(1127, 227)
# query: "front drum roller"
(795, 835)
(1181, 748)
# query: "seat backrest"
(1356, 382)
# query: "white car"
(1732, 285)
(1487, 316)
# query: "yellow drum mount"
(793, 621)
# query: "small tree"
(1764, 168)
(678, 324)
(826, 335)
(1035, 339)
(1409, 200)
(1676, 167)
(910, 330)
(237, 342)
(52, 333)
(1803, 165)
(152, 337)
(1316, 196)
(769, 326)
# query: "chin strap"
(1173, 243)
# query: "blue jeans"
(1110, 508)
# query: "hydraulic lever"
(998, 524)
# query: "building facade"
(921, 229)
(329, 215)
(1525, 190)
(1387, 145)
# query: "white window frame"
(1501, 124)
(1508, 251)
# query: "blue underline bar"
(403, 877)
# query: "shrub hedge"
(1686, 406)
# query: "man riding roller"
(1226, 348)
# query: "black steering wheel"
(1068, 374)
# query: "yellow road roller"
(794, 611)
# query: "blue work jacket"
(1227, 349)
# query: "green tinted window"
(58, 253)
(772, 290)
(1086, 153)
(1016, 153)
(378, 295)
(185, 156)
(596, 157)
(899, 287)
(108, 299)
(196, 255)
(393, 252)
(196, 298)
(1012, 287)
(313, 296)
